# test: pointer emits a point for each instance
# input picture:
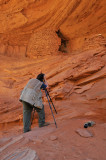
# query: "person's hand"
(48, 88)
(45, 81)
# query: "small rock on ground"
(84, 133)
(53, 138)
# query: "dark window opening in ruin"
(64, 42)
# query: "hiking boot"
(44, 124)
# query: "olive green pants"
(27, 110)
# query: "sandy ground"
(63, 143)
(50, 143)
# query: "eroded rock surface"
(67, 41)
(12, 151)
(56, 143)
(24, 22)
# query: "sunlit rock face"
(42, 43)
(24, 22)
(64, 39)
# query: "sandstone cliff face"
(77, 21)
(63, 38)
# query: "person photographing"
(31, 97)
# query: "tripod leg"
(33, 115)
(50, 108)
(51, 101)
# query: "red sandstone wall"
(76, 20)
(42, 43)
(76, 77)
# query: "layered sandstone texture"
(62, 143)
(29, 27)
(64, 39)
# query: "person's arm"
(45, 82)
(43, 86)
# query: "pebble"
(84, 133)
(39, 141)
(53, 138)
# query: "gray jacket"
(32, 93)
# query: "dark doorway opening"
(64, 42)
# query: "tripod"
(51, 101)
(48, 97)
(33, 115)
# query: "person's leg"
(41, 114)
(27, 109)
